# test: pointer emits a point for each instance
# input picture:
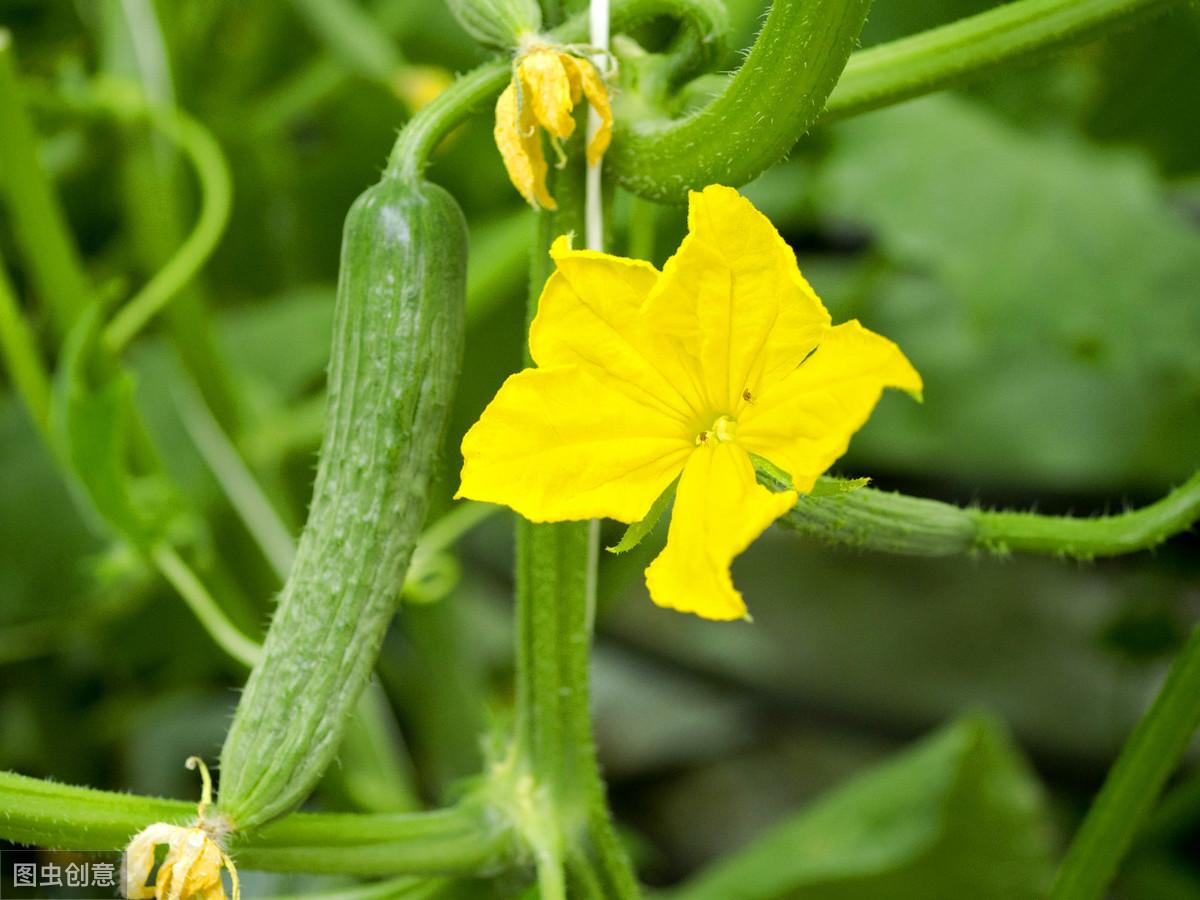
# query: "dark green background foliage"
(1032, 242)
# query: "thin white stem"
(593, 210)
(598, 18)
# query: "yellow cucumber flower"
(547, 84)
(643, 377)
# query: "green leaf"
(828, 486)
(89, 416)
(1056, 333)
(770, 475)
(775, 478)
(958, 816)
(34, 542)
(637, 532)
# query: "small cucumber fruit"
(397, 351)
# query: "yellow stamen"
(193, 763)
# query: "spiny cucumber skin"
(397, 351)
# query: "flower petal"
(139, 859)
(804, 422)
(558, 444)
(588, 316)
(719, 509)
(521, 149)
(547, 85)
(597, 94)
(735, 312)
(191, 868)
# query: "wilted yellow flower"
(547, 84)
(644, 377)
(191, 869)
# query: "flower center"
(723, 429)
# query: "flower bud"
(499, 23)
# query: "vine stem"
(41, 229)
(26, 369)
(58, 272)
(189, 323)
(659, 159)
(133, 49)
(1134, 783)
(757, 116)
(556, 582)
(464, 839)
(914, 526)
(1086, 538)
(241, 488)
(216, 193)
(940, 57)
(203, 606)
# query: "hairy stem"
(556, 565)
(463, 839)
(940, 57)
(913, 526)
(761, 112)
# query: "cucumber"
(397, 351)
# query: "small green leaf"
(770, 475)
(775, 478)
(89, 419)
(1085, 393)
(637, 532)
(828, 486)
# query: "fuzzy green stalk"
(568, 823)
(762, 111)
(871, 519)
(974, 46)
(466, 839)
